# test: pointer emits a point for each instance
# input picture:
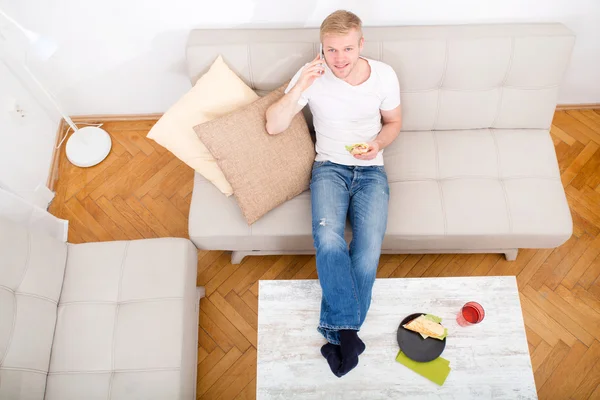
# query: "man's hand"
(371, 154)
(311, 72)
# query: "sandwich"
(358, 148)
(428, 326)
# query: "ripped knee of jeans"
(328, 235)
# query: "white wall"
(120, 57)
(25, 143)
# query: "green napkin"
(436, 371)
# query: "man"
(353, 100)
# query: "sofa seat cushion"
(492, 188)
(217, 223)
(126, 321)
(32, 267)
(460, 189)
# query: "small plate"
(414, 346)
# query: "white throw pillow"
(217, 93)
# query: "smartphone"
(321, 55)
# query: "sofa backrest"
(32, 267)
(451, 77)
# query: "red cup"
(471, 313)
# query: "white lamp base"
(88, 146)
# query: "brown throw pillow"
(263, 170)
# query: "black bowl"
(415, 347)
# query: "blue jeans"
(347, 274)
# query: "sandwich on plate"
(428, 326)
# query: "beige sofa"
(474, 168)
(110, 320)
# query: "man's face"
(342, 52)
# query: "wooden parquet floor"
(143, 191)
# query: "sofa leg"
(511, 255)
(237, 257)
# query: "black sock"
(348, 364)
(351, 343)
(332, 354)
(351, 347)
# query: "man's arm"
(392, 123)
(280, 114)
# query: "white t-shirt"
(344, 114)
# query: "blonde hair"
(340, 22)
